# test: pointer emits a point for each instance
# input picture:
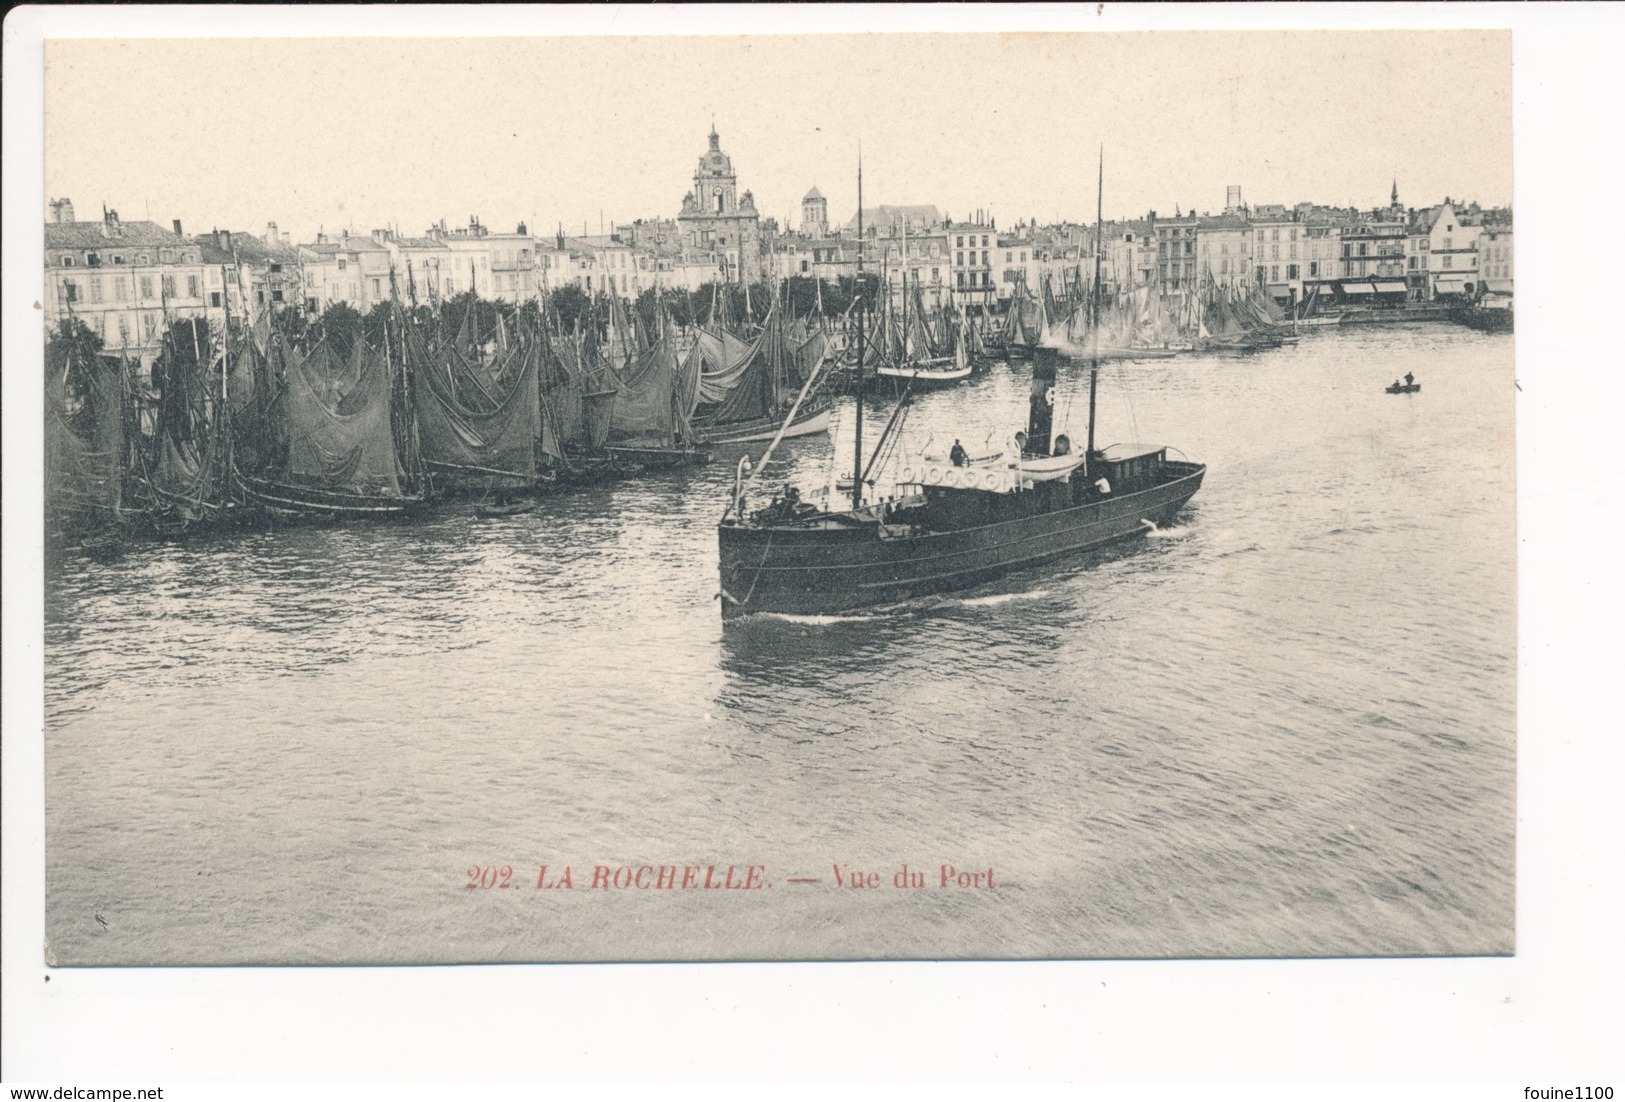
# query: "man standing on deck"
(959, 456)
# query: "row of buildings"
(124, 278)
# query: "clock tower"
(719, 222)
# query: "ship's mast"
(857, 440)
(1094, 309)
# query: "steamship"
(954, 526)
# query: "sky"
(353, 133)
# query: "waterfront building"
(1176, 251)
(1224, 248)
(923, 255)
(1495, 252)
(970, 247)
(717, 221)
(267, 268)
(1446, 246)
(1373, 257)
(127, 280)
(1015, 259)
(1278, 252)
(350, 268)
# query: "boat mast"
(857, 439)
(1094, 308)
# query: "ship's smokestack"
(1041, 402)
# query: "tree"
(568, 304)
(72, 342)
(375, 325)
(339, 325)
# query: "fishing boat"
(1403, 388)
(743, 387)
(950, 527)
(650, 424)
(346, 453)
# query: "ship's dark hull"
(824, 570)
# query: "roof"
(813, 194)
(1117, 453)
(887, 214)
(102, 235)
(1426, 219)
(1222, 222)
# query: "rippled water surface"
(1282, 726)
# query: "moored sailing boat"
(954, 526)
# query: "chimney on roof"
(227, 235)
(522, 231)
(62, 210)
(177, 224)
(271, 237)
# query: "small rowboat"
(512, 508)
(1402, 388)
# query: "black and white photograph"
(750, 542)
(618, 498)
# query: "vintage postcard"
(1000, 496)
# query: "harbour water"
(1282, 726)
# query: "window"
(141, 259)
(123, 326)
(1292, 271)
(1009, 257)
(1024, 256)
(959, 259)
(1224, 249)
(1447, 243)
(1413, 264)
(214, 298)
(118, 258)
(191, 287)
(275, 267)
(959, 280)
(93, 259)
(341, 264)
(1261, 272)
(121, 292)
(1314, 269)
(149, 325)
(95, 288)
(984, 241)
(804, 265)
(70, 291)
(934, 275)
(1275, 273)
(1224, 266)
(1447, 260)
(959, 242)
(1275, 252)
(67, 261)
(146, 286)
(377, 287)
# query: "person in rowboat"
(959, 456)
(1409, 378)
